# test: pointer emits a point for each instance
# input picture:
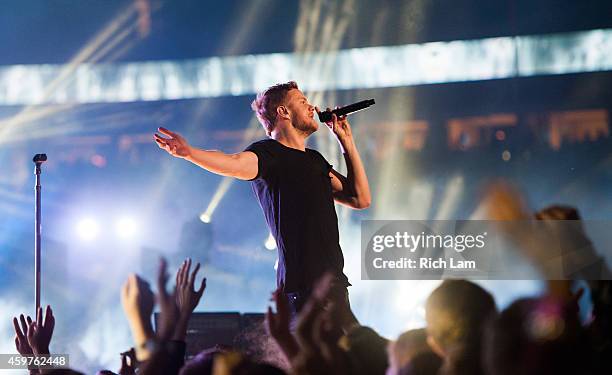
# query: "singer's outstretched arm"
(354, 189)
(242, 165)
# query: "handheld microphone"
(326, 116)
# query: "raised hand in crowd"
(317, 337)
(21, 338)
(187, 297)
(164, 356)
(579, 252)
(21, 335)
(137, 300)
(506, 205)
(168, 309)
(128, 363)
(40, 331)
(502, 201)
(34, 337)
(277, 324)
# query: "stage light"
(98, 160)
(224, 186)
(500, 135)
(88, 229)
(126, 227)
(506, 155)
(205, 218)
(270, 242)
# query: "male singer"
(296, 187)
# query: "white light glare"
(205, 218)
(88, 229)
(270, 243)
(126, 227)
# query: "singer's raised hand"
(340, 126)
(173, 143)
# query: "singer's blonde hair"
(266, 103)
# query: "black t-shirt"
(294, 190)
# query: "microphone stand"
(38, 160)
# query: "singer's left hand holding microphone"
(340, 126)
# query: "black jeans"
(296, 300)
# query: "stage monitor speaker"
(209, 329)
(252, 333)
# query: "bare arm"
(354, 189)
(242, 165)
